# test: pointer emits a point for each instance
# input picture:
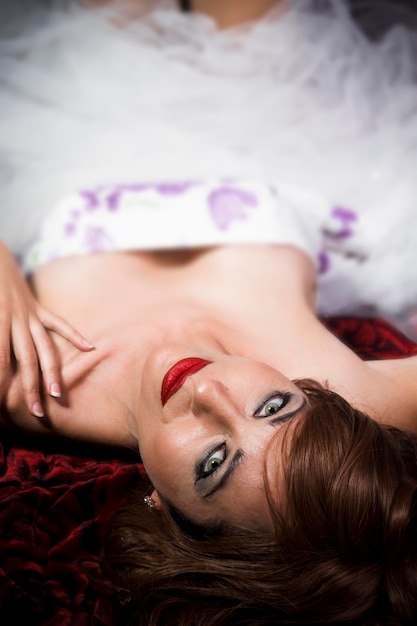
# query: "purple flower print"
(97, 239)
(110, 197)
(70, 229)
(228, 204)
(323, 262)
(345, 218)
(173, 189)
(91, 199)
(115, 194)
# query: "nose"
(212, 398)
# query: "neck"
(398, 377)
(233, 12)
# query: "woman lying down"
(284, 468)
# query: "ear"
(156, 500)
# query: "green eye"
(273, 405)
(213, 464)
(214, 461)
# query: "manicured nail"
(55, 390)
(37, 410)
(87, 344)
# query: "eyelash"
(202, 473)
(285, 397)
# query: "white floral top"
(153, 216)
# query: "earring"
(149, 502)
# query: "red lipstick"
(176, 375)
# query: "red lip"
(177, 374)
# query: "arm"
(25, 347)
(399, 377)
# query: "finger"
(5, 355)
(48, 358)
(28, 367)
(63, 328)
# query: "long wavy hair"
(343, 548)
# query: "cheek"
(168, 460)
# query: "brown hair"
(343, 550)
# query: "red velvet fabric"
(55, 504)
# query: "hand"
(23, 337)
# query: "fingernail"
(37, 410)
(87, 344)
(55, 390)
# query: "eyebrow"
(239, 455)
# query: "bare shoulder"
(398, 377)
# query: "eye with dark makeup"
(273, 404)
(212, 460)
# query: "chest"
(235, 279)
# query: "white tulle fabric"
(300, 100)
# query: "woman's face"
(205, 422)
